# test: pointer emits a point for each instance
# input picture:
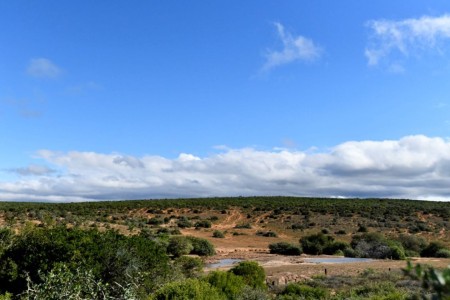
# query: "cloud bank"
(295, 48)
(407, 37)
(43, 68)
(414, 167)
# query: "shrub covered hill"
(290, 216)
(155, 249)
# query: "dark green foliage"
(284, 249)
(434, 282)
(203, 224)
(179, 245)
(155, 221)
(412, 244)
(443, 253)
(267, 233)
(190, 266)
(227, 282)
(374, 245)
(61, 282)
(190, 289)
(218, 234)
(432, 249)
(184, 222)
(113, 258)
(320, 243)
(252, 273)
(301, 291)
(243, 226)
(201, 246)
(362, 228)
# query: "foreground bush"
(113, 259)
(252, 274)
(300, 291)
(228, 283)
(189, 289)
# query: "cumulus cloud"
(295, 48)
(414, 167)
(406, 37)
(43, 68)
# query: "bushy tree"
(190, 266)
(284, 248)
(189, 289)
(301, 291)
(252, 273)
(432, 249)
(227, 282)
(201, 246)
(374, 245)
(179, 245)
(112, 258)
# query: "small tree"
(192, 289)
(252, 273)
(179, 245)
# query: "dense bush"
(227, 282)
(374, 245)
(183, 222)
(191, 267)
(320, 243)
(218, 234)
(301, 291)
(189, 289)
(266, 233)
(113, 258)
(179, 245)
(252, 273)
(201, 246)
(412, 244)
(203, 224)
(284, 249)
(432, 249)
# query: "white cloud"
(406, 37)
(415, 167)
(43, 68)
(295, 48)
(33, 170)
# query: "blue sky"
(119, 100)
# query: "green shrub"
(155, 221)
(183, 222)
(304, 292)
(218, 234)
(284, 249)
(190, 266)
(179, 245)
(201, 246)
(253, 274)
(203, 224)
(412, 243)
(320, 243)
(267, 233)
(443, 253)
(432, 249)
(189, 289)
(374, 245)
(227, 282)
(243, 226)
